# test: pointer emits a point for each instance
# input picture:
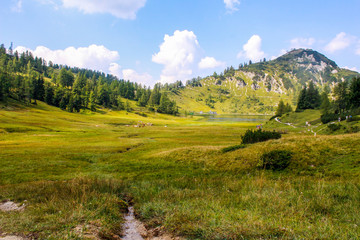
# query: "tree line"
(345, 97)
(26, 78)
(344, 100)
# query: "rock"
(12, 237)
(9, 206)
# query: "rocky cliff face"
(257, 88)
(292, 71)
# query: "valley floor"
(77, 174)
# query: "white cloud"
(93, 57)
(340, 42)
(302, 42)
(17, 7)
(177, 54)
(209, 62)
(132, 75)
(115, 69)
(125, 9)
(252, 49)
(231, 5)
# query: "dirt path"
(289, 124)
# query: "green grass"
(242, 100)
(79, 170)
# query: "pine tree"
(63, 103)
(302, 104)
(127, 106)
(354, 93)
(143, 100)
(164, 102)
(92, 104)
(120, 104)
(325, 103)
(49, 94)
(70, 106)
(280, 109)
(288, 108)
(312, 97)
(66, 78)
(103, 97)
(341, 96)
(39, 88)
(4, 85)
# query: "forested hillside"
(257, 88)
(26, 78)
(252, 88)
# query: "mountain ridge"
(256, 88)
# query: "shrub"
(232, 148)
(353, 129)
(328, 117)
(255, 136)
(141, 114)
(273, 117)
(334, 127)
(353, 119)
(276, 159)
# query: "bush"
(232, 148)
(352, 129)
(273, 117)
(334, 127)
(255, 136)
(328, 117)
(276, 160)
(353, 119)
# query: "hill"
(256, 88)
(76, 174)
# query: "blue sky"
(156, 40)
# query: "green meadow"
(82, 170)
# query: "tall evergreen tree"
(49, 94)
(280, 109)
(325, 103)
(312, 96)
(66, 78)
(288, 108)
(354, 93)
(341, 96)
(92, 105)
(302, 104)
(143, 100)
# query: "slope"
(257, 88)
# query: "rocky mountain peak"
(306, 58)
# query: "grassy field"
(77, 173)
